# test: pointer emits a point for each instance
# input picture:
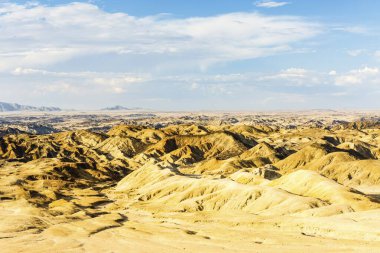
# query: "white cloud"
(117, 85)
(59, 87)
(212, 84)
(76, 82)
(377, 54)
(270, 4)
(39, 36)
(78, 89)
(356, 52)
(287, 74)
(331, 82)
(42, 72)
(294, 77)
(353, 29)
(364, 76)
(293, 73)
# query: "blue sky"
(191, 55)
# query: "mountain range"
(13, 107)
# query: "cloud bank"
(270, 4)
(38, 35)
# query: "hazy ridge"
(13, 107)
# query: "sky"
(191, 55)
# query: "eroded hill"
(178, 187)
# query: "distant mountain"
(11, 107)
(120, 108)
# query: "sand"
(203, 186)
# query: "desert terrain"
(190, 182)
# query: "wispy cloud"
(366, 76)
(295, 77)
(37, 35)
(355, 29)
(275, 89)
(356, 52)
(270, 4)
(77, 82)
(377, 54)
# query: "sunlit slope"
(133, 181)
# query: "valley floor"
(142, 232)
